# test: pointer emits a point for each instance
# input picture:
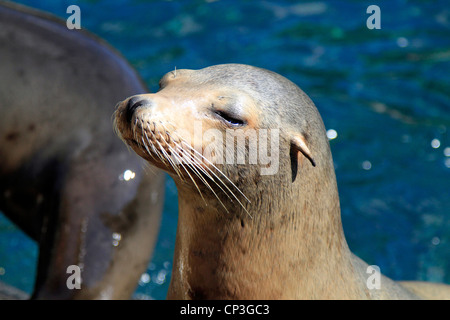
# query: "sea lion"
(65, 179)
(243, 233)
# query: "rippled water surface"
(385, 93)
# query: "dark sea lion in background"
(65, 178)
(243, 234)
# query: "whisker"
(146, 147)
(209, 162)
(189, 160)
(174, 166)
(153, 147)
(134, 128)
(192, 179)
(177, 158)
(193, 166)
(196, 165)
(196, 186)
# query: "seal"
(65, 178)
(244, 232)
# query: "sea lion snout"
(134, 103)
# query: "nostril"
(133, 104)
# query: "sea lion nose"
(134, 103)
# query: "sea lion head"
(226, 130)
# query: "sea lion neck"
(295, 252)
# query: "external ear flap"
(298, 145)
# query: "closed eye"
(229, 119)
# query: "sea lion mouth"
(157, 144)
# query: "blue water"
(385, 92)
